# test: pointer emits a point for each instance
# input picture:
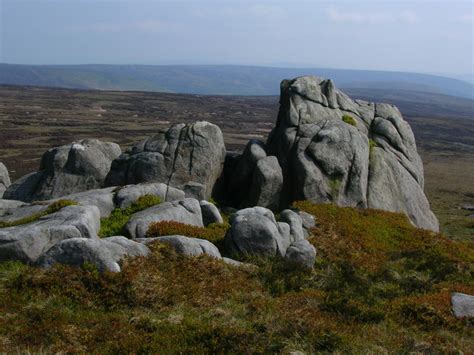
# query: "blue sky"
(422, 36)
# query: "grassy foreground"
(379, 285)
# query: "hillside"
(378, 286)
(218, 79)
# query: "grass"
(349, 120)
(379, 286)
(115, 223)
(52, 208)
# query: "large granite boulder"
(189, 157)
(267, 183)
(186, 211)
(4, 179)
(105, 254)
(71, 168)
(350, 152)
(28, 241)
(210, 213)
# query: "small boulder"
(301, 253)
(463, 305)
(295, 222)
(186, 246)
(71, 168)
(106, 254)
(28, 241)
(4, 179)
(186, 211)
(210, 213)
(130, 193)
(255, 231)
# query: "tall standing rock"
(353, 153)
(4, 179)
(188, 157)
(71, 168)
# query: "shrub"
(349, 120)
(52, 208)
(115, 223)
(215, 232)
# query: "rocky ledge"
(325, 147)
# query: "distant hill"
(218, 79)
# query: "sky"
(418, 36)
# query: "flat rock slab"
(27, 242)
(128, 194)
(106, 254)
(186, 245)
(463, 305)
(186, 211)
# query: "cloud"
(337, 15)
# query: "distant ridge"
(218, 79)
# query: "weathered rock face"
(106, 254)
(367, 160)
(4, 179)
(463, 305)
(76, 167)
(210, 213)
(188, 157)
(128, 194)
(28, 241)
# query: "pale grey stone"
(254, 231)
(210, 213)
(72, 168)
(128, 194)
(27, 242)
(325, 159)
(106, 254)
(4, 179)
(176, 157)
(463, 305)
(301, 253)
(267, 183)
(295, 222)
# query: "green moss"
(349, 120)
(52, 208)
(335, 185)
(115, 223)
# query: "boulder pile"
(325, 147)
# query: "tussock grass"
(379, 285)
(349, 120)
(115, 223)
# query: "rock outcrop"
(128, 194)
(76, 167)
(4, 179)
(28, 242)
(350, 152)
(188, 157)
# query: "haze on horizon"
(416, 36)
